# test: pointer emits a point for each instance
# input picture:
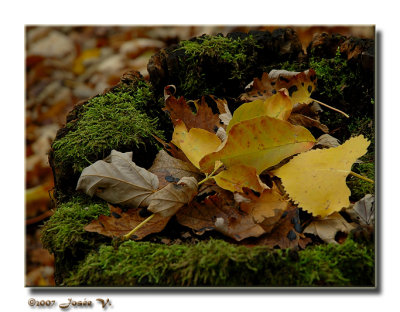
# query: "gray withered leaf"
(365, 209)
(118, 180)
(167, 201)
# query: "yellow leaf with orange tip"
(261, 143)
(235, 178)
(195, 143)
(277, 106)
(316, 180)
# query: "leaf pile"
(245, 175)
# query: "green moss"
(333, 75)
(218, 263)
(64, 235)
(107, 122)
(234, 58)
(64, 230)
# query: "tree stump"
(129, 115)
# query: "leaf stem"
(127, 236)
(209, 176)
(332, 108)
(361, 177)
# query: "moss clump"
(234, 56)
(333, 75)
(107, 122)
(64, 234)
(65, 230)
(218, 263)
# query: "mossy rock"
(127, 116)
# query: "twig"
(332, 108)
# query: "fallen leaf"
(277, 106)
(260, 142)
(195, 143)
(222, 213)
(120, 223)
(169, 169)
(225, 114)
(326, 228)
(364, 210)
(327, 140)
(316, 180)
(307, 122)
(118, 180)
(267, 205)
(239, 176)
(204, 118)
(287, 233)
(219, 212)
(299, 85)
(167, 201)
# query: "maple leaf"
(169, 169)
(254, 217)
(167, 201)
(195, 143)
(219, 212)
(204, 118)
(277, 106)
(118, 180)
(120, 223)
(260, 142)
(316, 180)
(300, 85)
(326, 228)
(239, 176)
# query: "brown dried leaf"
(219, 212)
(204, 118)
(120, 223)
(307, 122)
(169, 169)
(167, 201)
(287, 232)
(327, 228)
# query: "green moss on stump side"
(64, 235)
(106, 122)
(218, 263)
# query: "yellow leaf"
(316, 180)
(277, 106)
(260, 142)
(195, 143)
(235, 178)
